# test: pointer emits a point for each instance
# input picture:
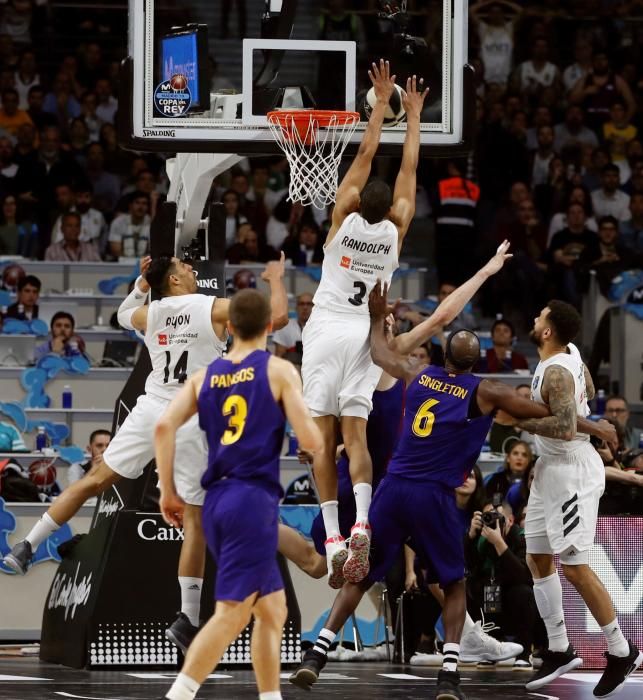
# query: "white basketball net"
(314, 152)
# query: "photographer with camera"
(499, 580)
(623, 475)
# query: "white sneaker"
(478, 645)
(336, 555)
(419, 659)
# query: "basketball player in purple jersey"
(243, 402)
(448, 413)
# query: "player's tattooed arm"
(589, 384)
(558, 393)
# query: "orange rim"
(301, 120)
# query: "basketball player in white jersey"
(569, 479)
(184, 332)
(368, 226)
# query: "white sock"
(469, 624)
(191, 597)
(41, 531)
(183, 688)
(617, 645)
(324, 640)
(363, 493)
(549, 599)
(272, 695)
(451, 656)
(331, 518)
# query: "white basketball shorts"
(337, 371)
(563, 504)
(132, 448)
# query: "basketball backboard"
(286, 53)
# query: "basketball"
(11, 275)
(178, 82)
(395, 112)
(244, 279)
(43, 473)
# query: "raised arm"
(403, 207)
(383, 355)
(274, 275)
(132, 313)
(182, 407)
(451, 306)
(558, 391)
(285, 379)
(357, 175)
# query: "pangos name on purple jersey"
(243, 423)
(439, 442)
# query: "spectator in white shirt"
(107, 103)
(495, 22)
(534, 76)
(92, 223)
(26, 77)
(288, 340)
(129, 234)
(609, 200)
(233, 219)
(581, 66)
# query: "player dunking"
(368, 226)
(569, 479)
(241, 401)
(184, 331)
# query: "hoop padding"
(313, 142)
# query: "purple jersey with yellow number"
(443, 430)
(243, 423)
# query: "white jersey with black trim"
(359, 254)
(180, 340)
(573, 362)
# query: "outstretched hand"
(143, 284)
(377, 301)
(383, 81)
(275, 269)
(414, 96)
(499, 259)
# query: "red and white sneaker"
(356, 567)
(336, 556)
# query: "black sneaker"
(181, 632)
(19, 558)
(308, 672)
(555, 664)
(449, 686)
(616, 672)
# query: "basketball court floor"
(28, 679)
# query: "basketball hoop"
(313, 142)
